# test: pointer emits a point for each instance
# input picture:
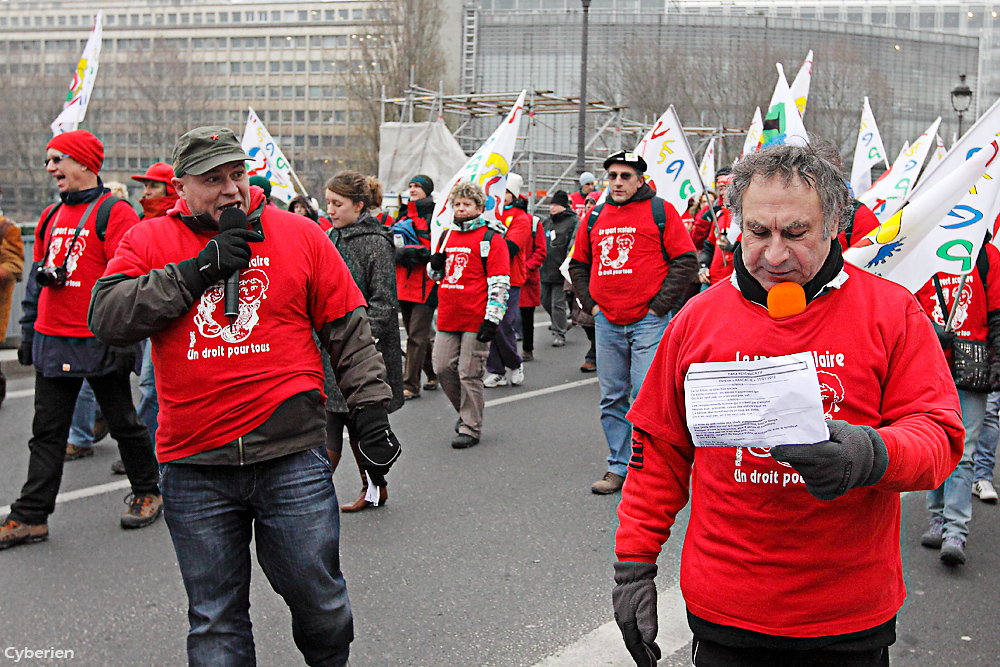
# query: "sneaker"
(491, 380)
(13, 533)
(407, 394)
(118, 467)
(588, 367)
(464, 441)
(607, 484)
(558, 341)
(143, 509)
(527, 356)
(953, 551)
(984, 489)
(73, 452)
(430, 385)
(934, 536)
(517, 377)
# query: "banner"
(869, 151)
(78, 97)
(707, 166)
(893, 189)
(671, 168)
(800, 86)
(488, 168)
(783, 124)
(268, 160)
(939, 152)
(752, 142)
(941, 229)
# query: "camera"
(51, 276)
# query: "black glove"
(634, 599)
(946, 338)
(487, 331)
(377, 443)
(226, 253)
(438, 260)
(24, 352)
(853, 456)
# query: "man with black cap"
(559, 230)
(73, 241)
(241, 439)
(632, 261)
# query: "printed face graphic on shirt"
(962, 309)
(621, 245)
(455, 266)
(76, 252)
(831, 390)
(211, 319)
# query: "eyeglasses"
(624, 176)
(55, 160)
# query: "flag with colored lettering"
(488, 168)
(671, 168)
(707, 166)
(783, 124)
(80, 88)
(869, 152)
(268, 159)
(800, 86)
(752, 142)
(892, 190)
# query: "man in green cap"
(241, 438)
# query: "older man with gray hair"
(791, 554)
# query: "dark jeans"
(417, 319)
(289, 506)
(528, 328)
(55, 399)
(503, 349)
(705, 653)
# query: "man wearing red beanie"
(71, 252)
(158, 194)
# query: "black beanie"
(424, 182)
(560, 198)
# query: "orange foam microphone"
(785, 300)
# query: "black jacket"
(559, 232)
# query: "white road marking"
(82, 493)
(20, 393)
(539, 392)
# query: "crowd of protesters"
(187, 284)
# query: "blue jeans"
(624, 353)
(289, 505)
(149, 406)
(985, 456)
(952, 501)
(81, 430)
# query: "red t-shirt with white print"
(462, 293)
(974, 303)
(216, 383)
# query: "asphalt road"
(496, 555)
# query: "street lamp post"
(581, 136)
(961, 98)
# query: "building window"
(300, 91)
(300, 116)
(926, 19)
(951, 20)
(196, 18)
(288, 92)
(300, 141)
(74, 20)
(147, 19)
(185, 19)
(338, 141)
(50, 20)
(358, 14)
(303, 15)
(313, 141)
(902, 18)
(300, 66)
(315, 66)
(878, 15)
(331, 15)
(344, 16)
(314, 116)
(234, 92)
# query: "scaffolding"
(474, 117)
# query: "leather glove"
(226, 253)
(854, 456)
(377, 443)
(24, 352)
(634, 599)
(946, 338)
(487, 331)
(438, 260)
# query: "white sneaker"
(517, 376)
(491, 380)
(985, 491)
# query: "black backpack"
(659, 217)
(103, 215)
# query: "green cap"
(205, 148)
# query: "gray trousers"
(459, 361)
(554, 303)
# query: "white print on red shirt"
(455, 267)
(950, 292)
(620, 240)
(211, 320)
(56, 245)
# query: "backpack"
(487, 237)
(103, 215)
(405, 229)
(659, 218)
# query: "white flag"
(800, 86)
(868, 153)
(893, 190)
(783, 124)
(978, 136)
(752, 142)
(707, 166)
(671, 168)
(939, 151)
(488, 168)
(78, 97)
(268, 160)
(941, 229)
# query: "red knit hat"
(82, 146)
(160, 172)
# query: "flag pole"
(951, 316)
(711, 210)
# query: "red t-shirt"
(518, 225)
(62, 311)
(627, 265)
(760, 553)
(722, 260)
(577, 200)
(462, 293)
(214, 383)
(974, 303)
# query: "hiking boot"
(143, 509)
(491, 380)
(13, 533)
(430, 385)
(934, 536)
(608, 484)
(953, 551)
(984, 489)
(517, 377)
(588, 367)
(118, 467)
(407, 394)
(73, 452)
(100, 429)
(558, 341)
(464, 441)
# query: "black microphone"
(232, 218)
